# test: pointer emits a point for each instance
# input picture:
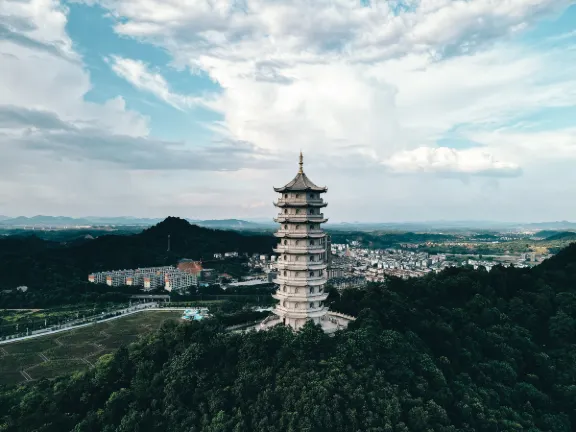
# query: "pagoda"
(302, 257)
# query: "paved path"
(25, 375)
(46, 359)
(4, 351)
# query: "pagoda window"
(311, 242)
(285, 211)
(285, 273)
(297, 242)
(311, 305)
(285, 195)
(311, 273)
(285, 242)
(297, 227)
(297, 195)
(285, 227)
(297, 211)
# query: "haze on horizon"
(415, 110)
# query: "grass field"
(76, 350)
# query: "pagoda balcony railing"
(316, 233)
(300, 297)
(300, 266)
(313, 249)
(300, 281)
(301, 313)
(300, 200)
(300, 203)
(302, 218)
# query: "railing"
(300, 217)
(282, 232)
(341, 315)
(307, 248)
(300, 265)
(313, 280)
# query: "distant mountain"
(44, 221)
(562, 235)
(559, 225)
(29, 260)
(64, 221)
(123, 220)
(548, 233)
(225, 223)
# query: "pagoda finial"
(301, 163)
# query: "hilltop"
(29, 260)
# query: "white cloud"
(328, 75)
(138, 74)
(443, 160)
(364, 91)
(59, 150)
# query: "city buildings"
(172, 279)
(375, 264)
(302, 257)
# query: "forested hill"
(28, 260)
(461, 351)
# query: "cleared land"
(77, 350)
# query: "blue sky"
(425, 110)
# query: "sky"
(407, 110)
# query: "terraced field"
(76, 350)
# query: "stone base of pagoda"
(330, 322)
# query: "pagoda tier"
(298, 219)
(297, 266)
(285, 203)
(299, 235)
(301, 297)
(299, 315)
(287, 249)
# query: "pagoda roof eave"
(301, 183)
(294, 189)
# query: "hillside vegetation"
(464, 350)
(52, 268)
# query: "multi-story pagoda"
(302, 257)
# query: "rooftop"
(301, 182)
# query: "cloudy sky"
(408, 110)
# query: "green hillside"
(62, 267)
(460, 351)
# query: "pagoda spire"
(301, 163)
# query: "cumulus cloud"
(140, 76)
(443, 160)
(365, 89)
(386, 76)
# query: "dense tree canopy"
(465, 350)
